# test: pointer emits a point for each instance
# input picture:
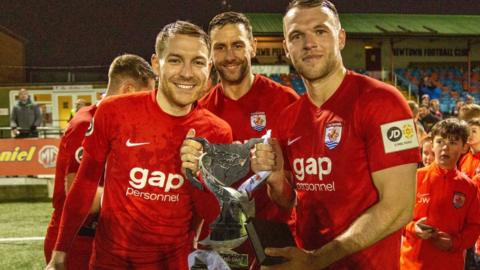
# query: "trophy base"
(263, 234)
(234, 260)
(223, 244)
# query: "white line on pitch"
(17, 239)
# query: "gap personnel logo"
(47, 156)
(399, 135)
(319, 167)
(139, 178)
(258, 120)
(333, 134)
(458, 199)
(90, 129)
(79, 154)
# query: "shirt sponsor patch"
(258, 120)
(333, 134)
(399, 135)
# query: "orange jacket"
(450, 202)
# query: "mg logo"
(394, 134)
(47, 156)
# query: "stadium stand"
(447, 84)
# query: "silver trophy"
(221, 165)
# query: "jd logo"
(394, 134)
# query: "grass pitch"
(23, 219)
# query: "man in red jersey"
(127, 73)
(249, 102)
(146, 216)
(349, 156)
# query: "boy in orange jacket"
(446, 217)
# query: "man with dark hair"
(249, 102)
(25, 117)
(147, 205)
(347, 166)
(426, 117)
(128, 73)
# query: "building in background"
(12, 56)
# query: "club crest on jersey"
(258, 120)
(458, 199)
(90, 128)
(333, 134)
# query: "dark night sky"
(67, 33)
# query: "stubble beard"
(319, 72)
(235, 78)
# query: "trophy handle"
(194, 180)
(191, 178)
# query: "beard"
(236, 77)
(317, 71)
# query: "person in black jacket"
(25, 117)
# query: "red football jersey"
(255, 112)
(250, 117)
(449, 201)
(67, 162)
(332, 152)
(146, 215)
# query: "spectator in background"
(79, 103)
(429, 88)
(420, 129)
(435, 108)
(469, 163)
(470, 99)
(446, 219)
(468, 112)
(25, 117)
(427, 118)
(428, 156)
(456, 109)
(425, 100)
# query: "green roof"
(370, 24)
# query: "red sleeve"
(79, 200)
(74, 147)
(385, 122)
(471, 230)
(82, 193)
